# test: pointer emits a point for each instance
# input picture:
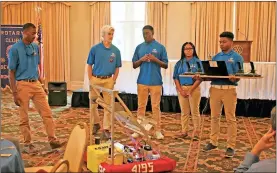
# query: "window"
(128, 19)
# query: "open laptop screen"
(215, 68)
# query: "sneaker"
(184, 135)
(195, 138)
(159, 135)
(209, 147)
(229, 153)
(29, 149)
(135, 135)
(96, 127)
(56, 143)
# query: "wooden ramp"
(122, 114)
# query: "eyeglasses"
(30, 50)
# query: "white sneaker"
(135, 135)
(159, 135)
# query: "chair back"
(76, 147)
(61, 166)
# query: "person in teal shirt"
(223, 93)
(26, 84)
(188, 89)
(150, 56)
(103, 63)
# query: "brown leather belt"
(102, 77)
(224, 86)
(28, 80)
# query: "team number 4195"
(144, 167)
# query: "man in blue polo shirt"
(223, 92)
(150, 56)
(26, 84)
(106, 61)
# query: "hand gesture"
(265, 142)
(16, 99)
(144, 58)
(232, 78)
(46, 91)
(114, 80)
(185, 93)
(152, 58)
(196, 77)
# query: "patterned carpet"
(187, 153)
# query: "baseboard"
(74, 85)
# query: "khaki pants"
(109, 84)
(189, 106)
(155, 94)
(34, 91)
(227, 97)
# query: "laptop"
(215, 68)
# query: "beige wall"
(178, 27)
(79, 39)
(179, 14)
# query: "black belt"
(187, 85)
(102, 77)
(28, 80)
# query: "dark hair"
(273, 118)
(183, 55)
(148, 27)
(227, 34)
(28, 25)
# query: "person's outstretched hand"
(266, 142)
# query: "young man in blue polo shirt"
(223, 92)
(106, 61)
(150, 56)
(25, 84)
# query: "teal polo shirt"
(105, 60)
(181, 67)
(150, 72)
(231, 60)
(24, 59)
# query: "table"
(222, 77)
(12, 163)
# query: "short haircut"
(273, 118)
(148, 27)
(105, 29)
(227, 34)
(28, 25)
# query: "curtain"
(54, 19)
(209, 19)
(156, 16)
(256, 21)
(100, 16)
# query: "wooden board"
(224, 77)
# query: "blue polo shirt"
(105, 60)
(24, 59)
(231, 60)
(150, 72)
(181, 67)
